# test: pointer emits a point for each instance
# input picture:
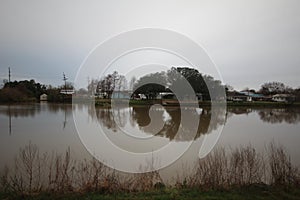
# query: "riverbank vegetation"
(240, 173)
(30, 91)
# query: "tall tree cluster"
(21, 90)
(270, 88)
(175, 78)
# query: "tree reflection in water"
(280, 115)
(30, 110)
(168, 117)
(171, 118)
(165, 121)
(14, 111)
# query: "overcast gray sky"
(250, 41)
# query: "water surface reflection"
(51, 127)
(169, 117)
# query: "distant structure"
(242, 96)
(70, 91)
(283, 98)
(66, 91)
(44, 97)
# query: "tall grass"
(34, 172)
(245, 166)
(281, 169)
(242, 166)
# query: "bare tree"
(274, 88)
(92, 86)
(132, 82)
(121, 83)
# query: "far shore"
(107, 103)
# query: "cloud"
(250, 41)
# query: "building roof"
(282, 95)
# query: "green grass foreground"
(257, 191)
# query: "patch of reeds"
(34, 172)
(245, 166)
(282, 172)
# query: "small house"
(244, 96)
(283, 98)
(43, 97)
(237, 96)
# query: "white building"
(43, 97)
(283, 98)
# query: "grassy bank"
(107, 102)
(263, 104)
(258, 191)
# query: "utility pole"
(65, 80)
(9, 74)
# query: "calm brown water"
(51, 127)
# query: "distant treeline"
(150, 86)
(26, 91)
